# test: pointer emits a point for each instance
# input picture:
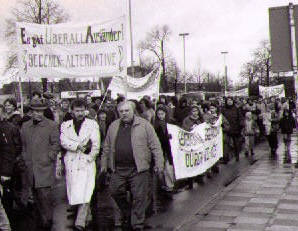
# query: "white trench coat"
(80, 172)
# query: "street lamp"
(183, 36)
(224, 53)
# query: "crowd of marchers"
(114, 155)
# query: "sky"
(235, 26)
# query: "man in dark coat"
(10, 150)
(40, 139)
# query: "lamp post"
(131, 39)
(224, 53)
(183, 36)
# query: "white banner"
(117, 87)
(239, 93)
(267, 92)
(195, 152)
(70, 50)
(136, 88)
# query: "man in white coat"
(81, 139)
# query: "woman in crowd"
(193, 119)
(148, 111)
(12, 114)
(287, 123)
(234, 117)
(271, 123)
(250, 130)
(162, 133)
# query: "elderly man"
(40, 139)
(80, 137)
(128, 148)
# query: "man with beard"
(80, 137)
(40, 139)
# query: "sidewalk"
(263, 198)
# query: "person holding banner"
(130, 145)
(193, 119)
(160, 127)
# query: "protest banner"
(239, 93)
(196, 151)
(147, 85)
(117, 86)
(69, 50)
(267, 92)
(136, 88)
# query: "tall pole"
(224, 53)
(131, 39)
(183, 36)
(293, 44)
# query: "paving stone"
(264, 200)
(261, 205)
(290, 197)
(254, 214)
(287, 216)
(258, 210)
(235, 198)
(276, 196)
(211, 224)
(222, 218)
(233, 203)
(228, 207)
(251, 220)
(288, 206)
(281, 228)
(285, 222)
(248, 226)
(288, 201)
(286, 211)
(241, 194)
(225, 213)
(269, 191)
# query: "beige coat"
(80, 167)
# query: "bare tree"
(155, 43)
(259, 68)
(31, 11)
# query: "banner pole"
(21, 94)
(104, 97)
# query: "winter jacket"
(41, 145)
(234, 117)
(163, 136)
(287, 124)
(10, 147)
(144, 142)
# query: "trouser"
(82, 214)
(249, 144)
(4, 222)
(44, 204)
(137, 183)
(273, 142)
(236, 144)
(169, 176)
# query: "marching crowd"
(115, 155)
